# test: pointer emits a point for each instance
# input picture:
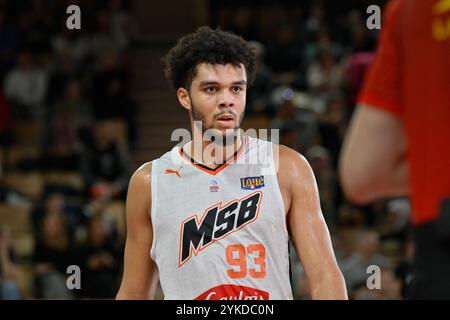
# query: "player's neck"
(211, 154)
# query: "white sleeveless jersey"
(220, 234)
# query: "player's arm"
(373, 159)
(308, 230)
(140, 275)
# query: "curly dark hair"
(206, 46)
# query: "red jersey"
(410, 78)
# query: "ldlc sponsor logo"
(214, 187)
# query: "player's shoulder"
(142, 175)
(138, 202)
(290, 157)
(292, 164)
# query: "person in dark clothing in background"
(106, 165)
(99, 262)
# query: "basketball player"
(399, 140)
(220, 229)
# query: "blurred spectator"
(106, 165)
(367, 253)
(258, 96)
(64, 69)
(322, 43)
(325, 79)
(102, 37)
(8, 42)
(389, 288)
(111, 98)
(292, 114)
(9, 287)
(242, 23)
(332, 125)
(395, 224)
(326, 74)
(55, 203)
(326, 178)
(123, 29)
(284, 54)
(356, 67)
(70, 120)
(114, 26)
(52, 255)
(5, 122)
(343, 242)
(26, 86)
(404, 268)
(99, 207)
(33, 30)
(73, 42)
(351, 216)
(289, 135)
(361, 39)
(316, 17)
(12, 197)
(99, 262)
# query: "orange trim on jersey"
(221, 206)
(220, 167)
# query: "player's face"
(217, 97)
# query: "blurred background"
(80, 110)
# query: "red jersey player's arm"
(307, 227)
(373, 160)
(140, 276)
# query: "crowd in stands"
(66, 133)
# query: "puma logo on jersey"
(176, 172)
(217, 222)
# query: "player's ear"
(183, 98)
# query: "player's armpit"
(373, 159)
(140, 275)
(308, 230)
